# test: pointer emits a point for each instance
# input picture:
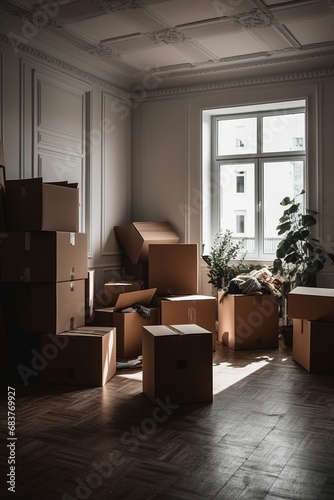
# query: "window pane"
(237, 213)
(237, 136)
(285, 132)
(240, 182)
(281, 179)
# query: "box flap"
(315, 291)
(188, 329)
(142, 234)
(122, 234)
(178, 298)
(129, 299)
(172, 330)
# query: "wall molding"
(57, 63)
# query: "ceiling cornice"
(57, 63)
(142, 93)
(326, 73)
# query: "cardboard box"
(135, 238)
(47, 307)
(128, 325)
(32, 205)
(313, 304)
(129, 332)
(313, 345)
(43, 256)
(177, 364)
(112, 290)
(85, 356)
(247, 321)
(196, 309)
(173, 268)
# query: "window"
(240, 182)
(258, 159)
(240, 222)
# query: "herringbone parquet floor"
(268, 435)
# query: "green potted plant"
(224, 250)
(299, 256)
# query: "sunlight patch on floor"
(225, 375)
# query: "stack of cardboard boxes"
(167, 271)
(43, 265)
(312, 312)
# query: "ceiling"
(171, 43)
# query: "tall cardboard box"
(86, 356)
(311, 303)
(173, 268)
(129, 325)
(32, 205)
(136, 237)
(46, 307)
(313, 345)
(196, 309)
(43, 256)
(177, 363)
(247, 321)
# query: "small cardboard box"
(196, 309)
(313, 345)
(247, 321)
(128, 325)
(32, 205)
(43, 256)
(135, 238)
(177, 363)
(173, 268)
(47, 307)
(85, 356)
(313, 304)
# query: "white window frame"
(259, 158)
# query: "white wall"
(63, 124)
(167, 160)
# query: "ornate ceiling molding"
(57, 63)
(117, 5)
(169, 36)
(254, 19)
(290, 77)
(101, 51)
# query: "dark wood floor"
(268, 435)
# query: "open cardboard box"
(128, 325)
(247, 321)
(34, 205)
(136, 237)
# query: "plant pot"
(287, 334)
